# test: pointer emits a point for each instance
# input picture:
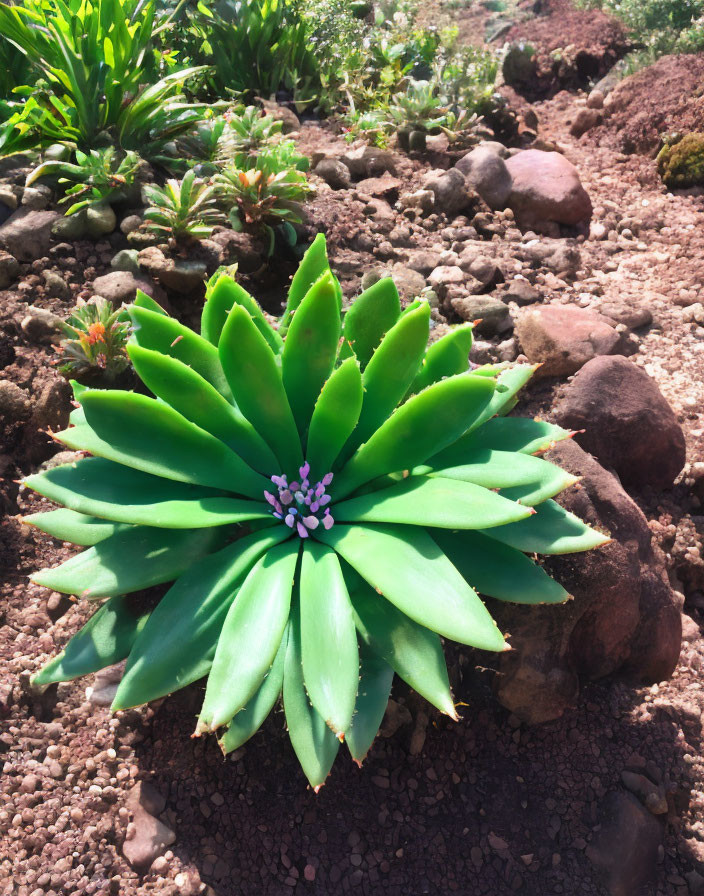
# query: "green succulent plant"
(265, 192)
(95, 343)
(97, 177)
(185, 210)
(328, 497)
(247, 130)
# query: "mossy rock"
(681, 163)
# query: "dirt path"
(486, 806)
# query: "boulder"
(450, 190)
(562, 338)
(335, 173)
(15, 403)
(121, 286)
(178, 274)
(40, 326)
(625, 847)
(147, 837)
(585, 120)
(100, 220)
(27, 234)
(493, 314)
(547, 189)
(486, 172)
(369, 161)
(9, 269)
(628, 425)
(126, 260)
(623, 615)
(522, 293)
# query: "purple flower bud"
(324, 500)
(299, 496)
(289, 520)
(328, 521)
(285, 496)
(270, 498)
(320, 490)
(327, 479)
(315, 506)
(295, 486)
(311, 522)
(302, 531)
(304, 470)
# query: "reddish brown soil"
(573, 46)
(664, 98)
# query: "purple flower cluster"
(301, 505)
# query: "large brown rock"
(628, 425)
(27, 234)
(623, 616)
(563, 338)
(547, 189)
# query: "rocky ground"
(605, 795)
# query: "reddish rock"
(546, 188)
(623, 616)
(563, 338)
(628, 425)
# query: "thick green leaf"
(166, 335)
(374, 312)
(520, 434)
(313, 742)
(142, 300)
(328, 637)
(425, 501)
(311, 349)
(105, 639)
(191, 395)
(312, 267)
(148, 435)
(178, 642)
(112, 491)
(413, 651)
(498, 570)
(552, 530)
(255, 379)
(250, 719)
(537, 478)
(251, 635)
(391, 370)
(376, 677)
(220, 299)
(69, 525)
(408, 568)
(446, 357)
(508, 384)
(335, 415)
(418, 429)
(129, 561)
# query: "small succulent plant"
(416, 113)
(96, 177)
(325, 496)
(182, 211)
(248, 129)
(95, 343)
(263, 192)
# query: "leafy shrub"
(321, 494)
(96, 342)
(97, 177)
(92, 57)
(254, 47)
(182, 211)
(658, 27)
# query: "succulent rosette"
(329, 498)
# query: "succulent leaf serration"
(328, 496)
